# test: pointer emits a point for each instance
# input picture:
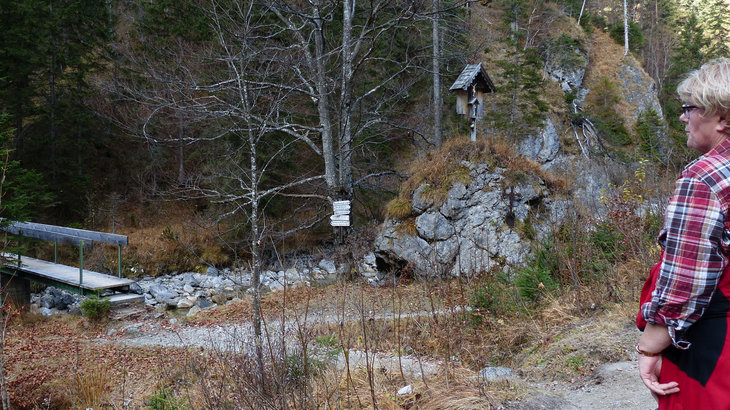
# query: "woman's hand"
(649, 369)
(654, 339)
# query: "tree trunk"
(180, 153)
(626, 29)
(52, 105)
(255, 240)
(346, 99)
(436, 76)
(581, 11)
(323, 106)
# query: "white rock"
(187, 302)
(193, 311)
(328, 266)
(405, 390)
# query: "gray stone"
(492, 374)
(111, 332)
(328, 266)
(193, 311)
(136, 288)
(550, 143)
(132, 330)
(47, 301)
(203, 303)
(420, 204)
(275, 285)
(639, 89)
(544, 147)
(434, 226)
(566, 66)
(188, 288)
(397, 249)
(161, 293)
(172, 321)
(46, 311)
(186, 302)
(446, 250)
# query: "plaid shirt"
(695, 243)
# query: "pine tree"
(53, 48)
(717, 28)
(519, 95)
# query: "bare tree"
(435, 39)
(332, 69)
(626, 29)
(228, 90)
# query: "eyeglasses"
(687, 109)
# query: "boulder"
(328, 266)
(161, 293)
(186, 302)
(136, 288)
(434, 226)
(193, 311)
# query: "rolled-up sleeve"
(693, 259)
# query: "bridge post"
(15, 289)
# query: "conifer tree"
(717, 28)
(522, 86)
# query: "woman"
(684, 352)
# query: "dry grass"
(607, 58)
(441, 168)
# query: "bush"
(95, 308)
(164, 399)
(648, 130)
(537, 278)
(636, 36)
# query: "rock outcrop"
(478, 226)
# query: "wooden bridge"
(18, 270)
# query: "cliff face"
(493, 220)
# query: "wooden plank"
(62, 233)
(65, 274)
(125, 298)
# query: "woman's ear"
(723, 126)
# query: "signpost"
(341, 215)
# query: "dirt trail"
(612, 386)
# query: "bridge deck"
(63, 274)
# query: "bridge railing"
(60, 234)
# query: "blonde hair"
(708, 87)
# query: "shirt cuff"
(676, 335)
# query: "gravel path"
(612, 386)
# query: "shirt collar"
(721, 148)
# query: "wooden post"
(55, 251)
(81, 263)
(119, 258)
(20, 246)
